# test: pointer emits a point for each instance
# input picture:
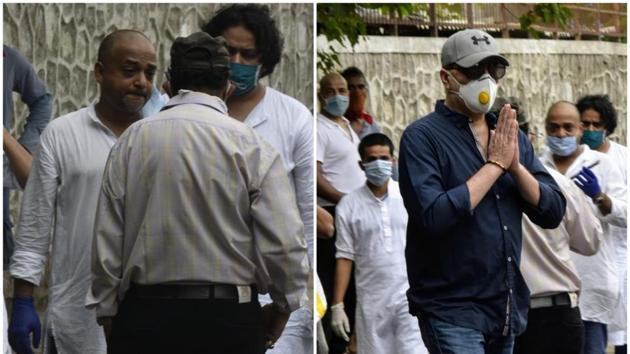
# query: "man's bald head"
(563, 109)
(330, 79)
(108, 43)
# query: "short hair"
(256, 19)
(602, 105)
(198, 79)
(375, 139)
(352, 71)
(558, 103)
(107, 44)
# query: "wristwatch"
(599, 199)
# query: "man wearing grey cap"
(193, 205)
(466, 178)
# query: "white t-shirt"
(339, 155)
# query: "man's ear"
(444, 77)
(98, 72)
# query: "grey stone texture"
(402, 73)
(61, 41)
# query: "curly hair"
(256, 19)
(602, 105)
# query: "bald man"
(59, 202)
(338, 173)
(604, 188)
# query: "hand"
(106, 323)
(516, 161)
(339, 321)
(504, 139)
(24, 321)
(587, 181)
(273, 323)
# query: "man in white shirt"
(255, 47)
(554, 325)
(371, 224)
(337, 174)
(60, 198)
(601, 182)
(599, 120)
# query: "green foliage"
(342, 23)
(548, 14)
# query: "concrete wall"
(62, 40)
(403, 76)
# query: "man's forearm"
(20, 159)
(481, 182)
(325, 189)
(343, 270)
(22, 288)
(527, 185)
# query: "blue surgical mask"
(337, 105)
(155, 103)
(562, 146)
(593, 138)
(378, 171)
(244, 77)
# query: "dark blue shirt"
(463, 264)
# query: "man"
(554, 325)
(194, 261)
(60, 200)
(465, 183)
(255, 47)
(599, 120)
(604, 190)
(19, 76)
(337, 174)
(362, 123)
(371, 223)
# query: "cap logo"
(477, 40)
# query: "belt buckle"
(244, 293)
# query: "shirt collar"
(91, 112)
(256, 119)
(460, 120)
(194, 97)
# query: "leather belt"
(240, 293)
(562, 299)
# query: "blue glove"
(587, 181)
(24, 320)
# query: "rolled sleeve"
(36, 218)
(108, 241)
(420, 177)
(344, 243)
(278, 233)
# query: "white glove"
(339, 321)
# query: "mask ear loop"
(456, 93)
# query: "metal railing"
(589, 21)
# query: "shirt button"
(510, 291)
(509, 259)
(504, 227)
(498, 196)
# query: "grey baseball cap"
(468, 47)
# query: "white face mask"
(478, 95)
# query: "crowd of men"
(182, 220)
(506, 250)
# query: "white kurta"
(600, 282)
(371, 232)
(287, 125)
(58, 207)
(617, 327)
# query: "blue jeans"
(595, 338)
(444, 338)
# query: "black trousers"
(149, 326)
(552, 330)
(326, 272)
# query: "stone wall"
(403, 76)
(61, 41)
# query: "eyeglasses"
(247, 54)
(494, 68)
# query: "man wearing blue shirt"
(466, 178)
